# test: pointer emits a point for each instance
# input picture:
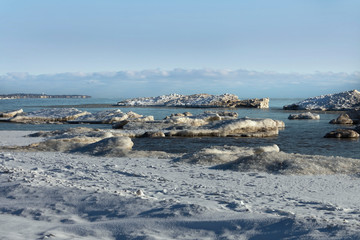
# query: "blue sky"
(294, 46)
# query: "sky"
(118, 48)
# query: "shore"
(65, 196)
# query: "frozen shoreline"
(63, 196)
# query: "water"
(299, 136)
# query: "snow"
(55, 195)
(340, 101)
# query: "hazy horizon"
(147, 48)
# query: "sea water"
(299, 136)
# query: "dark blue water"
(299, 136)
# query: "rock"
(120, 125)
(307, 115)
(254, 103)
(10, 114)
(185, 114)
(153, 134)
(342, 119)
(357, 129)
(339, 101)
(350, 117)
(342, 133)
(196, 101)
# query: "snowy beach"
(54, 195)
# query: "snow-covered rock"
(350, 117)
(307, 115)
(342, 133)
(339, 101)
(196, 100)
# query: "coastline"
(79, 196)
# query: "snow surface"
(54, 195)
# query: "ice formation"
(10, 114)
(111, 116)
(73, 115)
(50, 115)
(339, 101)
(224, 154)
(197, 100)
(81, 140)
(307, 115)
(271, 160)
(209, 124)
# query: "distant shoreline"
(43, 96)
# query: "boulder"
(350, 117)
(342, 119)
(153, 134)
(253, 103)
(340, 101)
(342, 133)
(307, 115)
(357, 129)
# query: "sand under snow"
(53, 195)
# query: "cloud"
(242, 82)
